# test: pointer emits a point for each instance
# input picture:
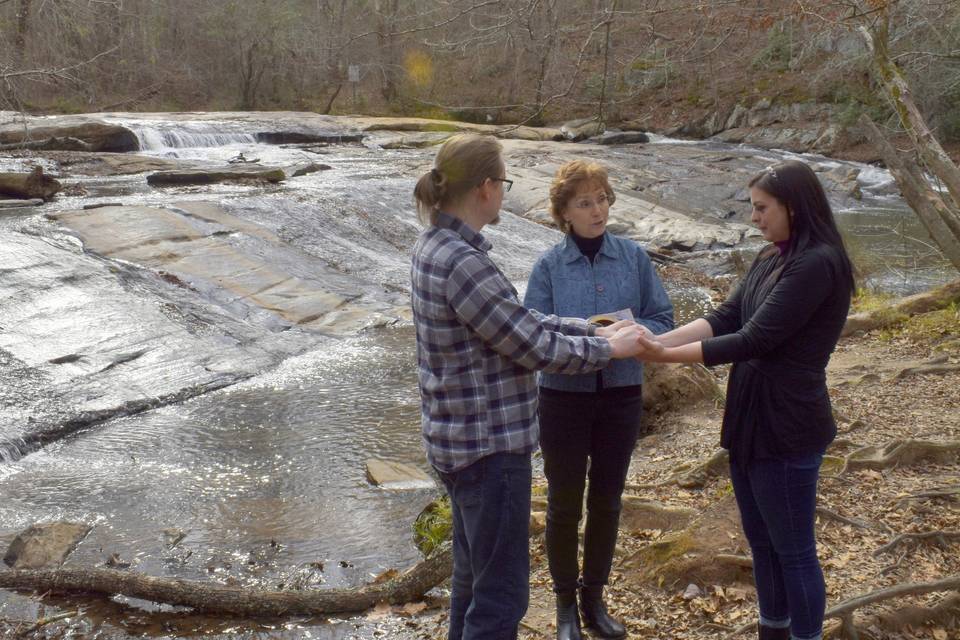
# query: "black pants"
(603, 427)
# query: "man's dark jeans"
(777, 500)
(603, 427)
(490, 500)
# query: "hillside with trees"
(665, 65)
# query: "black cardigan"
(779, 328)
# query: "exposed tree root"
(845, 610)
(706, 551)
(944, 612)
(894, 453)
(948, 493)
(926, 368)
(938, 538)
(901, 453)
(692, 478)
(222, 599)
(827, 514)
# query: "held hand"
(625, 343)
(609, 330)
(650, 349)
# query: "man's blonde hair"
(463, 162)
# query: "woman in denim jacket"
(594, 415)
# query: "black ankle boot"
(568, 619)
(770, 633)
(595, 616)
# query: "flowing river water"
(265, 478)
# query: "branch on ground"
(844, 610)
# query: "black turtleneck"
(589, 247)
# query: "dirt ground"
(862, 509)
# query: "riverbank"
(678, 574)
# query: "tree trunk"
(28, 185)
(912, 120)
(23, 26)
(927, 203)
(386, 16)
(218, 598)
(930, 206)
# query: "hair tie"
(435, 175)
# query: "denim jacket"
(564, 282)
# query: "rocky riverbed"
(220, 357)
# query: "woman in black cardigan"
(778, 328)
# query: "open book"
(604, 319)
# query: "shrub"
(433, 526)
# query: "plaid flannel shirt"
(478, 350)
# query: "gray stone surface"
(44, 545)
(395, 475)
(97, 134)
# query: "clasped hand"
(629, 339)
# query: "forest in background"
(657, 62)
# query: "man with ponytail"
(478, 349)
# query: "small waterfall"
(186, 135)
(12, 450)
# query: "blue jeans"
(490, 501)
(777, 500)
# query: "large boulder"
(623, 137)
(669, 386)
(577, 130)
(29, 185)
(44, 545)
(94, 135)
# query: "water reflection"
(262, 477)
(892, 249)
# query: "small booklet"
(605, 319)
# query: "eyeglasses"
(589, 204)
(506, 183)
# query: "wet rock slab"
(19, 204)
(85, 340)
(44, 545)
(236, 264)
(95, 134)
(394, 475)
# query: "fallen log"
(239, 601)
(229, 173)
(29, 185)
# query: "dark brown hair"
(796, 187)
